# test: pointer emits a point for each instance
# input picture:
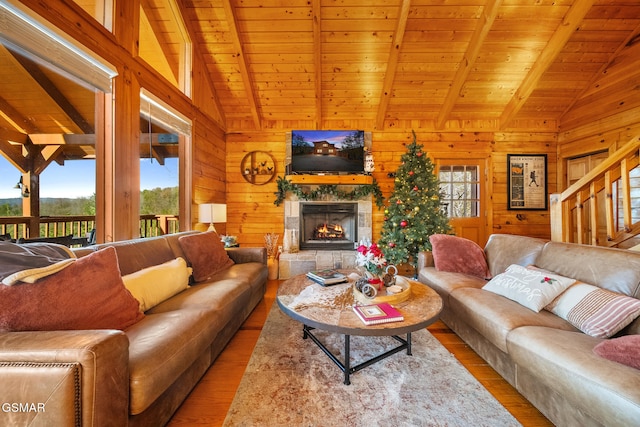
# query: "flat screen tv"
(327, 151)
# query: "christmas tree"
(414, 212)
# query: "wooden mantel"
(331, 179)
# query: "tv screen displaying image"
(327, 151)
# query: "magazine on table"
(327, 277)
(374, 314)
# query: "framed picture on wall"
(527, 181)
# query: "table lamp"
(213, 212)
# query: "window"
(165, 136)
(460, 190)
(50, 89)
(164, 42)
(101, 10)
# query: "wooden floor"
(209, 401)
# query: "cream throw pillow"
(152, 285)
(531, 288)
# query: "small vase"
(272, 265)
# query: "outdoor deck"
(78, 226)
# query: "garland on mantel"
(325, 191)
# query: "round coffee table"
(330, 309)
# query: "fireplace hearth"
(328, 226)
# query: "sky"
(77, 178)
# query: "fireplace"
(295, 261)
(328, 226)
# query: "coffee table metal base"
(345, 367)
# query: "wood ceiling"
(505, 62)
(449, 64)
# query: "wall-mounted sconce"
(212, 212)
(24, 190)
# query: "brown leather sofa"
(543, 356)
(139, 376)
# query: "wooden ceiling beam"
(489, 13)
(242, 63)
(13, 154)
(153, 152)
(561, 36)
(10, 135)
(156, 155)
(392, 63)
(63, 139)
(21, 123)
(45, 156)
(54, 93)
(317, 59)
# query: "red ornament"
(419, 154)
(411, 173)
(415, 188)
(398, 202)
(403, 223)
(392, 245)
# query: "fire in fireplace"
(329, 232)
(328, 226)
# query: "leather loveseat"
(138, 376)
(545, 357)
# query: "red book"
(374, 314)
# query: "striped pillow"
(595, 311)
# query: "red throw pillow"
(88, 294)
(206, 254)
(459, 255)
(625, 350)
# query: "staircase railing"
(599, 208)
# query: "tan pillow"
(152, 285)
(206, 254)
(88, 294)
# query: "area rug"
(289, 381)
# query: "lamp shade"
(212, 212)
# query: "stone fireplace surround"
(293, 262)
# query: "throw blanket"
(32, 261)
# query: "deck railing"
(81, 225)
(601, 209)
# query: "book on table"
(374, 314)
(327, 277)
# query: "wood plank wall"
(252, 213)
